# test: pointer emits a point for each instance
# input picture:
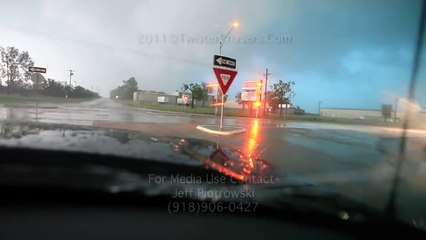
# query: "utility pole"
(71, 73)
(266, 88)
(319, 109)
(396, 105)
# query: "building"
(351, 113)
(174, 98)
(418, 118)
(232, 104)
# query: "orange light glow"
(212, 85)
(254, 132)
(257, 104)
(236, 24)
(251, 162)
(217, 104)
(254, 129)
(259, 84)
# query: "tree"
(196, 91)
(81, 92)
(57, 89)
(126, 90)
(280, 93)
(14, 66)
(54, 88)
(130, 86)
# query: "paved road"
(357, 161)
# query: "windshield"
(331, 91)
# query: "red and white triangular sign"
(224, 78)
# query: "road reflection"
(252, 142)
(7, 113)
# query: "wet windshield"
(332, 91)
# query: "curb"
(223, 133)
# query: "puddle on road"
(16, 113)
(347, 146)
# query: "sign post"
(37, 70)
(225, 70)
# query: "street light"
(234, 25)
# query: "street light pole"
(229, 32)
(221, 112)
(220, 53)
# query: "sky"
(347, 54)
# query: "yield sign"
(185, 98)
(224, 77)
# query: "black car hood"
(243, 174)
(143, 145)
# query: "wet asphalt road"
(358, 161)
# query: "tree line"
(196, 91)
(15, 74)
(279, 94)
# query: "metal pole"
(396, 104)
(215, 107)
(221, 112)
(221, 41)
(319, 109)
(266, 88)
(70, 77)
(36, 110)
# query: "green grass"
(19, 99)
(239, 113)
